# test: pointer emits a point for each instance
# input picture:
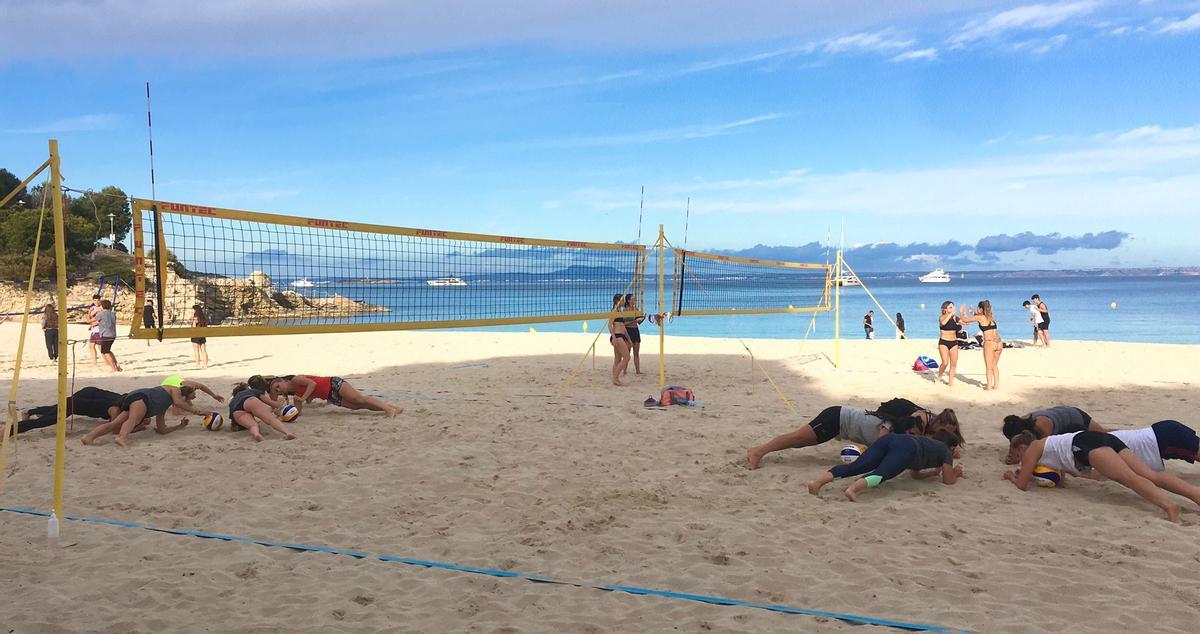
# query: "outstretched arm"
(184, 404)
(309, 386)
(1029, 460)
(203, 388)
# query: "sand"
(488, 467)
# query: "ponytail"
(1014, 425)
(949, 419)
(241, 386)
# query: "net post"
(160, 266)
(60, 262)
(837, 312)
(593, 355)
(662, 324)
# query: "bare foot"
(120, 440)
(753, 457)
(853, 490)
(392, 410)
(258, 437)
(87, 441)
(290, 437)
(815, 486)
(618, 382)
(1173, 513)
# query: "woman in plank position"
(334, 389)
(890, 456)
(250, 405)
(152, 402)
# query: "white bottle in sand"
(52, 528)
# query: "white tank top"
(1144, 444)
(1057, 453)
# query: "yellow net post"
(837, 312)
(60, 262)
(662, 324)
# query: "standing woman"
(635, 335)
(992, 344)
(200, 344)
(948, 328)
(900, 327)
(93, 328)
(148, 318)
(50, 330)
(619, 338)
(334, 389)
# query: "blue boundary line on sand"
(507, 574)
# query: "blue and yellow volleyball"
(1046, 477)
(850, 453)
(289, 413)
(213, 421)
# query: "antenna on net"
(687, 215)
(150, 139)
(641, 208)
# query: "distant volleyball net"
(257, 273)
(709, 284)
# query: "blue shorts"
(1176, 441)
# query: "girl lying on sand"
(250, 405)
(1047, 422)
(305, 387)
(858, 425)
(152, 402)
(923, 456)
(1081, 453)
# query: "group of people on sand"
(950, 338)
(626, 337)
(901, 435)
(102, 332)
(258, 400)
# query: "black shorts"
(949, 343)
(828, 424)
(1087, 418)
(1085, 441)
(1176, 441)
(634, 335)
(1045, 325)
(130, 399)
(106, 345)
(199, 340)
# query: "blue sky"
(1040, 135)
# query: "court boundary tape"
(852, 619)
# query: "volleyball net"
(256, 273)
(709, 284)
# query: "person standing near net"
(869, 324)
(93, 329)
(900, 327)
(50, 330)
(619, 338)
(992, 344)
(105, 323)
(200, 344)
(632, 328)
(1044, 312)
(948, 328)
(148, 318)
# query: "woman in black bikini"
(635, 335)
(992, 345)
(948, 328)
(619, 338)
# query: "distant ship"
(446, 281)
(303, 283)
(936, 276)
(846, 279)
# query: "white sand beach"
(488, 467)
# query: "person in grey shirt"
(1049, 421)
(105, 322)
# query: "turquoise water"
(1149, 309)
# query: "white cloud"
(1028, 17)
(682, 133)
(81, 123)
(1041, 45)
(1147, 172)
(924, 53)
(885, 41)
(1186, 25)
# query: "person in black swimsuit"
(1044, 327)
(992, 345)
(619, 338)
(635, 334)
(948, 328)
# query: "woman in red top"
(335, 389)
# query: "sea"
(1130, 308)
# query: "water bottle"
(52, 527)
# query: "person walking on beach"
(200, 344)
(922, 456)
(1035, 318)
(1048, 421)
(992, 344)
(93, 329)
(948, 326)
(860, 426)
(632, 328)
(50, 330)
(105, 323)
(1080, 453)
(1044, 312)
(900, 327)
(868, 324)
(306, 387)
(250, 405)
(619, 339)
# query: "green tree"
(96, 206)
(18, 232)
(9, 181)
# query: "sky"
(968, 134)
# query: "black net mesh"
(711, 284)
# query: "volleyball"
(289, 413)
(850, 453)
(213, 421)
(1046, 477)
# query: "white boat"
(302, 283)
(846, 279)
(446, 281)
(936, 276)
